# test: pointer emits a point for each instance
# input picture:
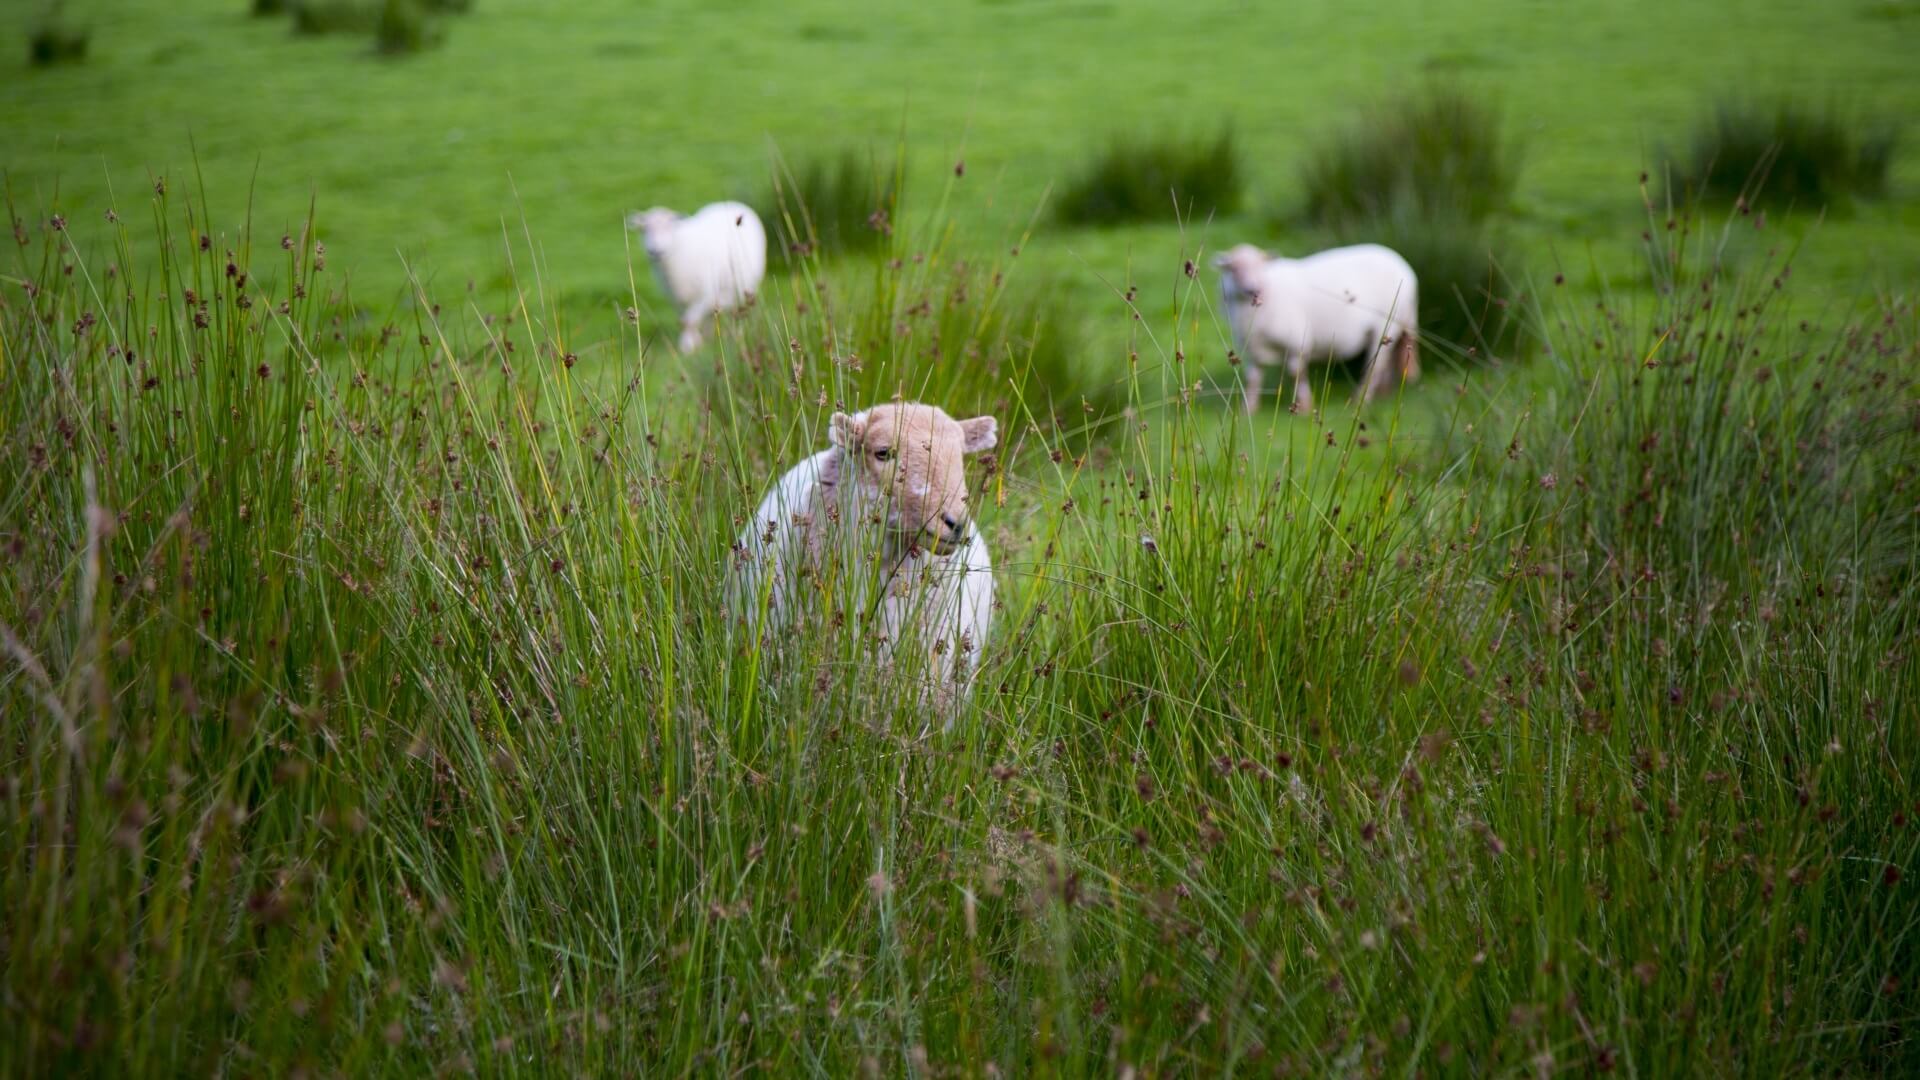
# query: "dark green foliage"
(829, 206)
(1422, 174)
(398, 27)
(52, 41)
(1784, 153)
(269, 7)
(336, 16)
(1438, 151)
(405, 27)
(1147, 179)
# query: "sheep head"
(909, 459)
(1243, 270)
(655, 227)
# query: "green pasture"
(368, 705)
(558, 122)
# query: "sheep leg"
(1302, 391)
(1250, 375)
(1379, 370)
(691, 322)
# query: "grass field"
(570, 122)
(368, 705)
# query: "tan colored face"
(910, 459)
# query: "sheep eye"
(882, 454)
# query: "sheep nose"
(956, 527)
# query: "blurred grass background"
(572, 119)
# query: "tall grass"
(1784, 153)
(977, 336)
(830, 206)
(1137, 178)
(369, 706)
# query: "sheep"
(890, 490)
(1349, 301)
(712, 261)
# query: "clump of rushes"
(1727, 413)
(405, 27)
(1164, 178)
(336, 16)
(1784, 153)
(1438, 150)
(54, 40)
(398, 26)
(1425, 173)
(830, 206)
(977, 337)
(366, 701)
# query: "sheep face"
(1242, 270)
(655, 227)
(909, 459)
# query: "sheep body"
(712, 260)
(1350, 301)
(826, 521)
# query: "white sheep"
(712, 261)
(1344, 302)
(889, 498)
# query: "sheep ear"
(1221, 260)
(844, 431)
(981, 433)
(637, 220)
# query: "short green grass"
(571, 122)
(367, 705)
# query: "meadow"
(368, 705)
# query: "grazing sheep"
(892, 485)
(712, 261)
(1351, 301)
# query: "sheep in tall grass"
(712, 261)
(1344, 302)
(884, 510)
